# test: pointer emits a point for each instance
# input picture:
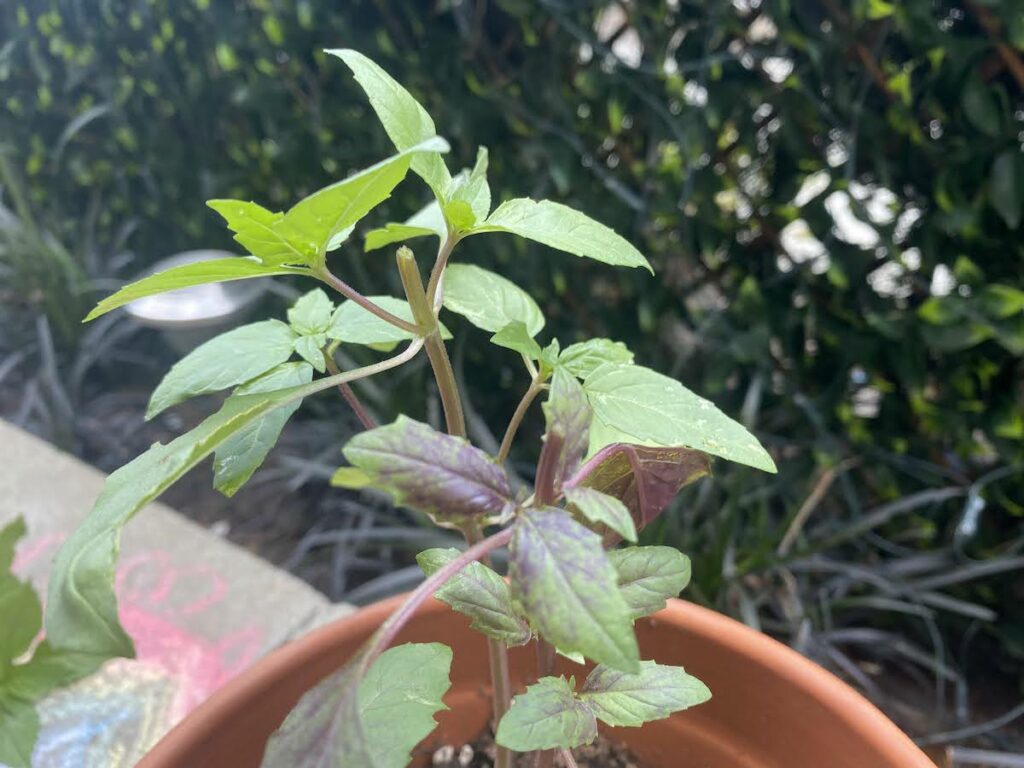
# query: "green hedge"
(895, 359)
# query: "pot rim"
(857, 713)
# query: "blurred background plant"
(831, 194)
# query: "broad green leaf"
(19, 606)
(648, 576)
(373, 722)
(266, 234)
(562, 577)
(310, 349)
(354, 325)
(198, 273)
(19, 729)
(429, 220)
(602, 509)
(1006, 186)
(340, 238)
(438, 474)
(488, 300)
(228, 360)
(547, 716)
(405, 121)
(644, 478)
(514, 336)
(565, 229)
(325, 214)
(568, 416)
(651, 407)
(311, 313)
(474, 190)
(480, 593)
(655, 692)
(584, 358)
(242, 454)
(81, 611)
(48, 669)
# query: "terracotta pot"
(771, 708)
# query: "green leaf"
(459, 215)
(440, 475)
(655, 692)
(648, 406)
(565, 229)
(81, 610)
(562, 577)
(547, 716)
(197, 273)
(488, 300)
(310, 349)
(242, 454)
(406, 122)
(648, 576)
(331, 210)
(429, 220)
(516, 337)
(19, 606)
(584, 358)
(19, 729)
(228, 360)
(311, 313)
(602, 509)
(354, 325)
(373, 722)
(480, 593)
(340, 238)
(10, 535)
(1006, 186)
(473, 189)
(982, 107)
(266, 234)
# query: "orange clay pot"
(771, 708)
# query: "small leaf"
(243, 453)
(480, 593)
(354, 325)
(19, 606)
(584, 358)
(624, 699)
(565, 229)
(438, 474)
(547, 716)
(648, 576)
(568, 418)
(514, 336)
(404, 119)
(311, 313)
(982, 107)
(459, 215)
(1006, 186)
(187, 275)
(429, 220)
(560, 574)
(310, 349)
(648, 406)
(474, 190)
(228, 360)
(602, 509)
(265, 234)
(643, 478)
(488, 300)
(374, 722)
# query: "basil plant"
(620, 442)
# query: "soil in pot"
(603, 753)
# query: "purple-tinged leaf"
(547, 716)
(440, 475)
(373, 722)
(623, 699)
(568, 418)
(649, 575)
(562, 577)
(644, 478)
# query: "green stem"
(349, 292)
(350, 396)
(517, 418)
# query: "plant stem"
(428, 327)
(434, 283)
(547, 466)
(350, 396)
(394, 623)
(349, 292)
(568, 759)
(517, 418)
(366, 371)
